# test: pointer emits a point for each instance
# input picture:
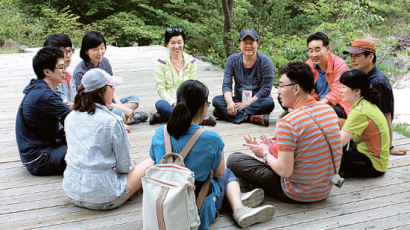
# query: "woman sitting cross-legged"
(171, 70)
(366, 126)
(206, 156)
(93, 47)
(99, 173)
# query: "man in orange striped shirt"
(303, 169)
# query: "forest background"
(283, 25)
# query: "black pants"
(356, 164)
(258, 174)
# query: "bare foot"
(398, 151)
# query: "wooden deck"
(28, 202)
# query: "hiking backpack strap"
(184, 152)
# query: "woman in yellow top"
(171, 70)
(368, 154)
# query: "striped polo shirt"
(313, 168)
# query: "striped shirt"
(313, 167)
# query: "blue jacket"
(43, 113)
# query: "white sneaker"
(253, 198)
(245, 216)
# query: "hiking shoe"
(139, 117)
(156, 118)
(262, 119)
(253, 198)
(217, 114)
(245, 216)
(209, 121)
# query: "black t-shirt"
(379, 81)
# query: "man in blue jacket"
(40, 118)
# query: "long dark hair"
(191, 95)
(357, 79)
(84, 102)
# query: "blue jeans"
(262, 106)
(50, 162)
(223, 182)
(103, 206)
(164, 108)
(127, 99)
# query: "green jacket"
(167, 78)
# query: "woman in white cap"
(99, 173)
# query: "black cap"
(248, 32)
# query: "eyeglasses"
(283, 86)
(208, 103)
(62, 68)
(68, 52)
(174, 30)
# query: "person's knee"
(233, 160)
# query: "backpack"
(169, 199)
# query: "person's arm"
(54, 106)
(227, 86)
(218, 172)
(389, 123)
(193, 70)
(346, 137)
(121, 146)
(335, 88)
(161, 82)
(268, 76)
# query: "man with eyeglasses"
(327, 69)
(66, 89)
(298, 168)
(253, 74)
(40, 117)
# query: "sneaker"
(209, 121)
(253, 198)
(139, 117)
(217, 114)
(156, 118)
(260, 119)
(245, 216)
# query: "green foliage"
(402, 128)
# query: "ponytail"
(180, 120)
(191, 96)
(372, 96)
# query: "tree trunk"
(227, 40)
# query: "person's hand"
(266, 140)
(128, 128)
(241, 105)
(128, 113)
(257, 148)
(69, 104)
(231, 109)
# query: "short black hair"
(367, 53)
(46, 58)
(91, 40)
(173, 32)
(318, 36)
(357, 79)
(58, 40)
(299, 73)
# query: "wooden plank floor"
(28, 202)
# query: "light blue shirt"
(97, 157)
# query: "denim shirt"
(97, 157)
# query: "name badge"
(246, 95)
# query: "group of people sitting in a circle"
(337, 121)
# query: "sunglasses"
(174, 30)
